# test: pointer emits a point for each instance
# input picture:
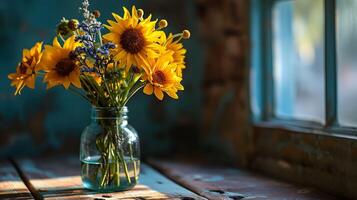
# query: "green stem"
(132, 160)
(125, 166)
(100, 38)
(117, 164)
(111, 152)
(133, 92)
(63, 40)
(105, 169)
(109, 92)
(121, 156)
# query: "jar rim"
(123, 109)
(109, 112)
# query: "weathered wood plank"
(11, 185)
(59, 179)
(226, 183)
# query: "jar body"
(109, 152)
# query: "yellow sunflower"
(136, 38)
(161, 78)
(60, 67)
(26, 70)
(177, 51)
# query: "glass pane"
(298, 62)
(347, 61)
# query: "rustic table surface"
(59, 179)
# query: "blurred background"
(254, 69)
(41, 122)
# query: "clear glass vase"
(109, 151)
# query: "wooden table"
(58, 178)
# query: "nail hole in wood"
(106, 196)
(217, 191)
(140, 198)
(158, 182)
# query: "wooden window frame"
(261, 34)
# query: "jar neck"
(113, 114)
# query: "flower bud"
(96, 13)
(186, 34)
(163, 23)
(140, 13)
(62, 28)
(73, 24)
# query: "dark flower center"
(23, 67)
(132, 40)
(65, 66)
(159, 77)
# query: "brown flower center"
(132, 40)
(23, 66)
(159, 77)
(65, 66)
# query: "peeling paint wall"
(49, 122)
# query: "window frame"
(262, 62)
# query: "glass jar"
(109, 151)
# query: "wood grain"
(11, 185)
(220, 183)
(60, 179)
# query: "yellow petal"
(66, 83)
(129, 61)
(117, 17)
(148, 89)
(12, 76)
(56, 43)
(158, 93)
(172, 95)
(30, 82)
(126, 13)
(74, 78)
(70, 43)
(51, 84)
(134, 11)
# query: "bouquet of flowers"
(107, 70)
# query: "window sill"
(304, 127)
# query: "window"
(304, 62)
(298, 63)
(346, 40)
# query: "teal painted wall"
(46, 122)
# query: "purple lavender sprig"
(92, 49)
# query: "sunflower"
(59, 64)
(161, 78)
(26, 70)
(136, 38)
(175, 49)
